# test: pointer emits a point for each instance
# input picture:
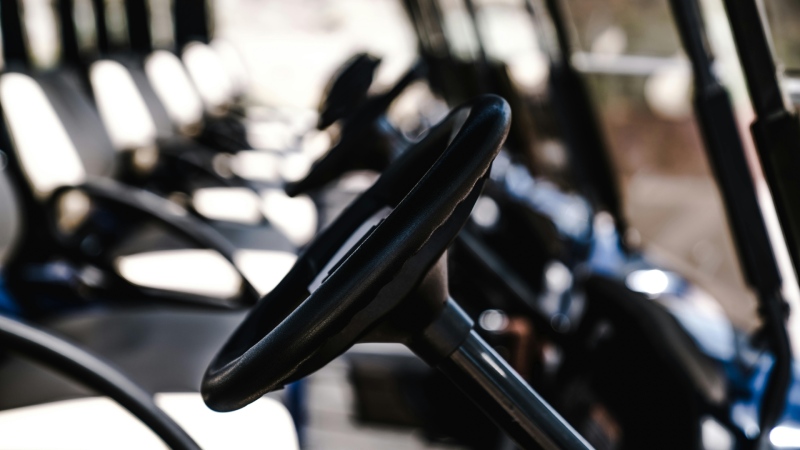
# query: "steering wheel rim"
(293, 331)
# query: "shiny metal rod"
(507, 399)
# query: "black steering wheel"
(367, 141)
(377, 273)
(347, 89)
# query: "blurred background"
(628, 50)
(639, 78)
(630, 53)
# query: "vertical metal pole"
(776, 130)
(591, 159)
(727, 156)
(507, 399)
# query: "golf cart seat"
(162, 350)
(147, 99)
(166, 350)
(49, 161)
(122, 141)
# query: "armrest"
(83, 367)
(138, 204)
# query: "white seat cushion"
(174, 88)
(257, 165)
(270, 135)
(296, 217)
(234, 65)
(45, 151)
(264, 268)
(207, 71)
(205, 272)
(100, 423)
(230, 204)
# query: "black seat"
(162, 350)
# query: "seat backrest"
(121, 106)
(47, 156)
(208, 73)
(135, 64)
(234, 65)
(175, 90)
(66, 91)
(132, 115)
(142, 118)
(218, 72)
